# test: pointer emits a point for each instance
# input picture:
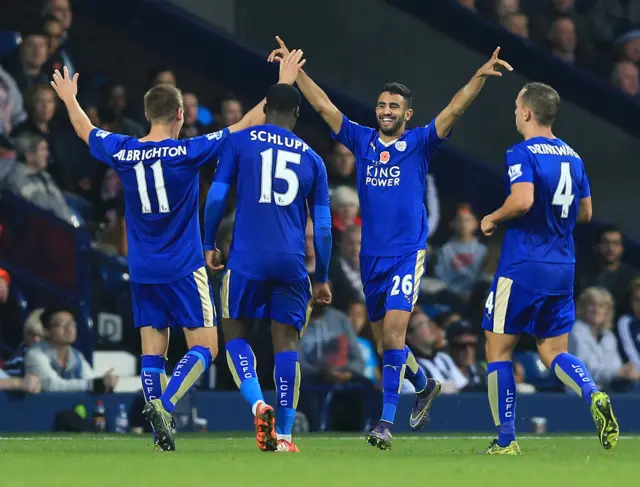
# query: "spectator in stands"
(231, 111)
(625, 77)
(463, 346)
(503, 8)
(12, 111)
(344, 270)
(329, 348)
(542, 20)
(459, 262)
(25, 64)
(608, 15)
(41, 105)
(564, 41)
(112, 112)
(52, 27)
(606, 269)
(627, 47)
(191, 127)
(422, 337)
(594, 343)
(61, 10)
(31, 180)
(7, 159)
(342, 166)
(345, 207)
(629, 327)
(517, 23)
(470, 4)
(60, 366)
(33, 332)
(161, 76)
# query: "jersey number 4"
(283, 158)
(564, 192)
(161, 191)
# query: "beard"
(394, 129)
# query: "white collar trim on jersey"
(387, 144)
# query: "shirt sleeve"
(103, 145)
(321, 216)
(585, 189)
(215, 205)
(351, 135)
(204, 148)
(518, 165)
(429, 138)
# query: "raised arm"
(290, 68)
(67, 89)
(312, 92)
(463, 99)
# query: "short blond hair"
(344, 195)
(599, 295)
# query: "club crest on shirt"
(384, 157)
(401, 145)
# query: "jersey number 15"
(283, 158)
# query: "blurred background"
(63, 249)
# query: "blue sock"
(414, 372)
(185, 374)
(574, 374)
(393, 365)
(242, 364)
(287, 377)
(153, 376)
(502, 399)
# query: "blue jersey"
(161, 187)
(391, 185)
(277, 174)
(538, 250)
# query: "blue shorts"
(288, 303)
(391, 282)
(186, 303)
(512, 309)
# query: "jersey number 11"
(161, 191)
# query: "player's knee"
(285, 337)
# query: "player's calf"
(287, 377)
(203, 347)
(502, 385)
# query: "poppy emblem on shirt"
(401, 145)
(384, 157)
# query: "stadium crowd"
(42, 161)
(601, 36)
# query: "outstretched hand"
(492, 66)
(65, 86)
(290, 66)
(280, 53)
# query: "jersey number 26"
(283, 158)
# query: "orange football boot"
(265, 424)
(287, 446)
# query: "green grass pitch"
(208, 460)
